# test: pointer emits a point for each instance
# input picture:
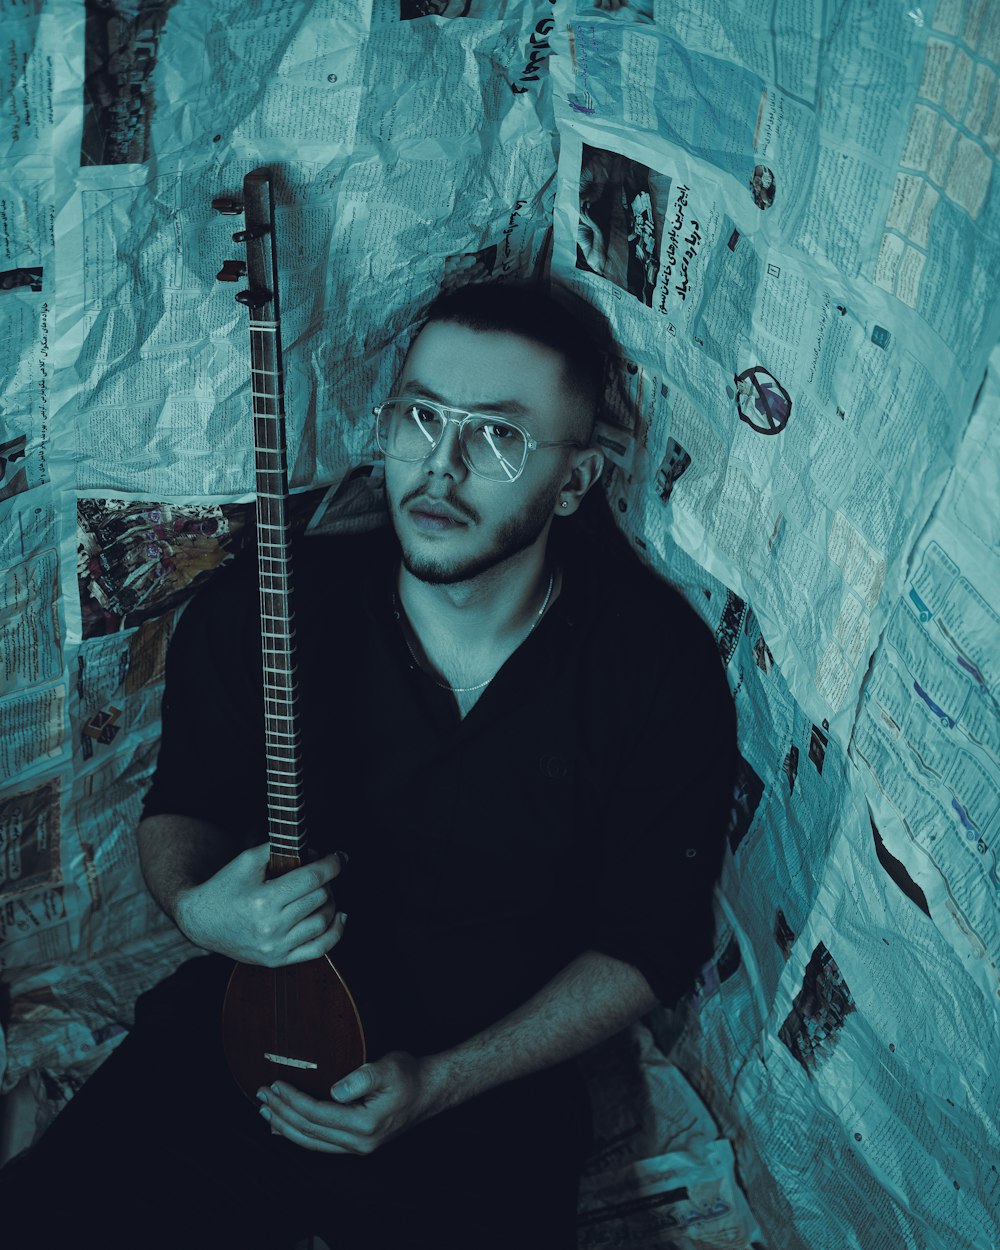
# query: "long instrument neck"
(286, 814)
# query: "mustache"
(449, 500)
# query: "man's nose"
(446, 457)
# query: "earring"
(564, 504)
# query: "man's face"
(451, 524)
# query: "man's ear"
(586, 469)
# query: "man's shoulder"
(346, 555)
(645, 635)
(321, 567)
(621, 588)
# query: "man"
(520, 745)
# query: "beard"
(512, 537)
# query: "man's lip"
(438, 512)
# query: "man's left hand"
(369, 1106)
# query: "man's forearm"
(593, 998)
(177, 852)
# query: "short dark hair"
(555, 318)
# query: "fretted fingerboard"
(286, 820)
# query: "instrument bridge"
(290, 1063)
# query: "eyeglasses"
(410, 429)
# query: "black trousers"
(160, 1149)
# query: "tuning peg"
(251, 232)
(254, 297)
(231, 271)
(227, 205)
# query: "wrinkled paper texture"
(789, 217)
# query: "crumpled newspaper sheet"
(805, 305)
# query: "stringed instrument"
(299, 1023)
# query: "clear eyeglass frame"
(462, 417)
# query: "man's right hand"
(284, 920)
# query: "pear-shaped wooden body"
(297, 1024)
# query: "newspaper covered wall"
(789, 214)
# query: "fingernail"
(265, 1112)
(343, 917)
(262, 1095)
(276, 1089)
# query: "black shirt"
(580, 805)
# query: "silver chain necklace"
(469, 689)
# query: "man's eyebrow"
(510, 407)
